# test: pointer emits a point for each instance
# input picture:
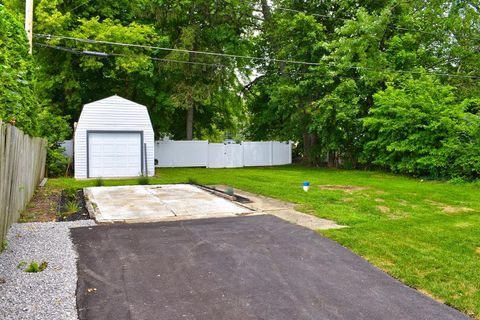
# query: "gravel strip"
(45, 295)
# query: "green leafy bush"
(419, 128)
(19, 102)
(56, 162)
(54, 129)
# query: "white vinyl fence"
(172, 153)
(181, 153)
(67, 146)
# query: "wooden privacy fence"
(22, 167)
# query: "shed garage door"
(114, 154)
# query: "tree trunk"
(266, 11)
(190, 104)
(190, 123)
(309, 141)
(332, 159)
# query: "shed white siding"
(113, 114)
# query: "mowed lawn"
(425, 233)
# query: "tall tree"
(171, 90)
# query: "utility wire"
(170, 60)
(311, 14)
(329, 64)
(57, 48)
(218, 54)
(346, 19)
(80, 5)
(106, 55)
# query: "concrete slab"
(157, 203)
(283, 210)
(306, 220)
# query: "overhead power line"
(57, 48)
(106, 55)
(218, 54)
(111, 54)
(209, 53)
(349, 19)
(312, 14)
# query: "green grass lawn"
(425, 233)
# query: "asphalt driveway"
(257, 267)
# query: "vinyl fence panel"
(233, 156)
(225, 155)
(67, 145)
(190, 153)
(216, 155)
(181, 153)
(282, 153)
(219, 155)
(164, 151)
(257, 154)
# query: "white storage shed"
(113, 138)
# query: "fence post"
(3, 184)
(271, 153)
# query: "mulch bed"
(81, 214)
(49, 204)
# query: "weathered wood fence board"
(22, 167)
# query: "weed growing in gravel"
(4, 245)
(21, 265)
(34, 267)
(99, 182)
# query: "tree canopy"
(381, 84)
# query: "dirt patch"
(345, 188)
(49, 204)
(385, 263)
(379, 200)
(464, 225)
(477, 251)
(43, 206)
(397, 215)
(448, 208)
(383, 209)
